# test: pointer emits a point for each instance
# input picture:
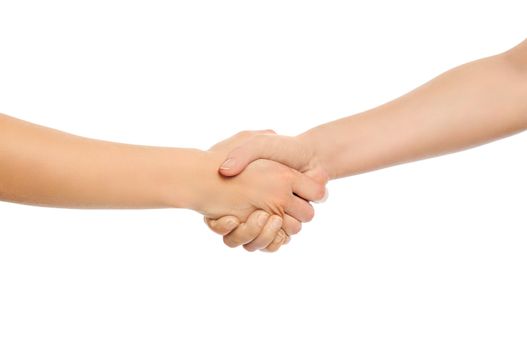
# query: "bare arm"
(469, 105)
(43, 166)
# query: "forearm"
(467, 106)
(42, 166)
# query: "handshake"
(254, 189)
(259, 192)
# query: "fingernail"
(262, 218)
(228, 164)
(325, 198)
(230, 224)
(276, 223)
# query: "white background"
(430, 255)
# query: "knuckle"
(259, 220)
(245, 133)
(261, 139)
(256, 139)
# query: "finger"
(291, 225)
(300, 209)
(283, 149)
(248, 230)
(308, 188)
(267, 235)
(318, 174)
(277, 242)
(223, 225)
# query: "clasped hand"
(259, 203)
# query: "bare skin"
(465, 107)
(47, 167)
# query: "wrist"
(314, 145)
(193, 174)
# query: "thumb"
(281, 149)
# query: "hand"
(261, 231)
(286, 213)
(288, 150)
(294, 152)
